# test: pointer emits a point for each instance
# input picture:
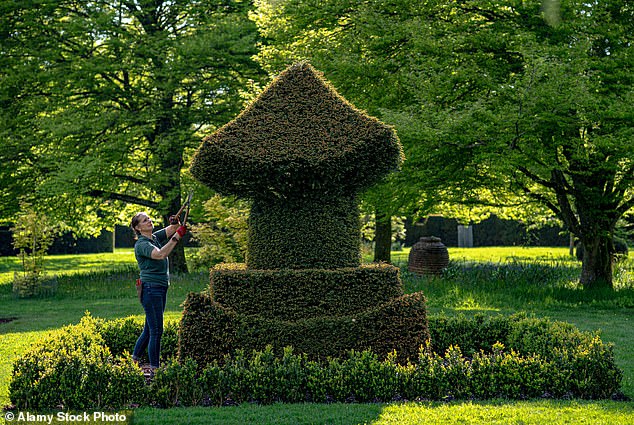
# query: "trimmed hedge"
(75, 368)
(120, 335)
(302, 294)
(298, 138)
(321, 232)
(209, 330)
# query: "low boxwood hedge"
(77, 368)
(301, 294)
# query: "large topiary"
(301, 153)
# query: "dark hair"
(134, 222)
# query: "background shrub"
(120, 336)
(222, 235)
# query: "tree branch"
(122, 197)
(540, 198)
(536, 178)
(129, 178)
(625, 207)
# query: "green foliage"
(75, 369)
(222, 234)
(108, 114)
(497, 104)
(33, 234)
(209, 330)
(531, 358)
(302, 294)
(361, 376)
(177, 384)
(299, 138)
(120, 335)
(311, 233)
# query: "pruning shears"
(186, 204)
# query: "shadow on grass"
(279, 414)
(458, 412)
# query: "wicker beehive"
(428, 256)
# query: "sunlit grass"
(64, 265)
(490, 280)
(458, 413)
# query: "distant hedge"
(302, 294)
(209, 330)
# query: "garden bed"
(515, 357)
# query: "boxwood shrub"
(302, 294)
(75, 368)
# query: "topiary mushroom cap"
(299, 137)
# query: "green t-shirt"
(154, 272)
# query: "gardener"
(151, 251)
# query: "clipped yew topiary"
(301, 153)
(209, 329)
(290, 294)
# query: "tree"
(103, 101)
(496, 103)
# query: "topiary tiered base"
(301, 153)
(323, 313)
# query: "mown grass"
(454, 413)
(540, 281)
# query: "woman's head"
(141, 222)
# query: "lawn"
(540, 281)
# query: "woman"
(151, 251)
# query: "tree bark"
(596, 269)
(171, 194)
(382, 237)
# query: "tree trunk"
(178, 263)
(172, 194)
(596, 269)
(382, 237)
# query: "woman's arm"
(160, 254)
(171, 229)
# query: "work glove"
(174, 219)
(181, 231)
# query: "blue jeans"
(154, 298)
